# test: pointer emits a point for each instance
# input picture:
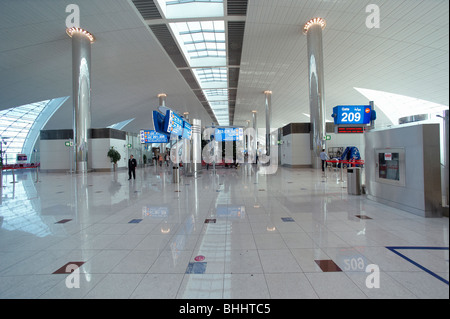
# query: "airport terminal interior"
(224, 149)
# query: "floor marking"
(394, 250)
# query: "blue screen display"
(352, 114)
(148, 137)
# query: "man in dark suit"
(132, 163)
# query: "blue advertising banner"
(158, 121)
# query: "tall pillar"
(196, 146)
(268, 95)
(255, 127)
(81, 83)
(313, 30)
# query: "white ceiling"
(407, 55)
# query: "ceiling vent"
(147, 9)
(237, 7)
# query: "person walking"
(132, 163)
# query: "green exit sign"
(327, 138)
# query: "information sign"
(187, 131)
(229, 134)
(148, 137)
(173, 123)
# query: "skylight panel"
(179, 9)
(203, 44)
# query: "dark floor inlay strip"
(328, 265)
(67, 270)
(363, 217)
(63, 221)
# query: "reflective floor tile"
(196, 268)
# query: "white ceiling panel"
(407, 55)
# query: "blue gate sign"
(352, 114)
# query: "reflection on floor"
(229, 234)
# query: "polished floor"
(230, 234)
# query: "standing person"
(324, 157)
(132, 163)
(160, 159)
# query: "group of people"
(132, 163)
(162, 158)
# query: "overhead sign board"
(229, 134)
(352, 114)
(148, 137)
(173, 123)
(187, 130)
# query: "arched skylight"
(396, 106)
(20, 127)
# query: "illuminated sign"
(229, 134)
(352, 114)
(148, 137)
(173, 123)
